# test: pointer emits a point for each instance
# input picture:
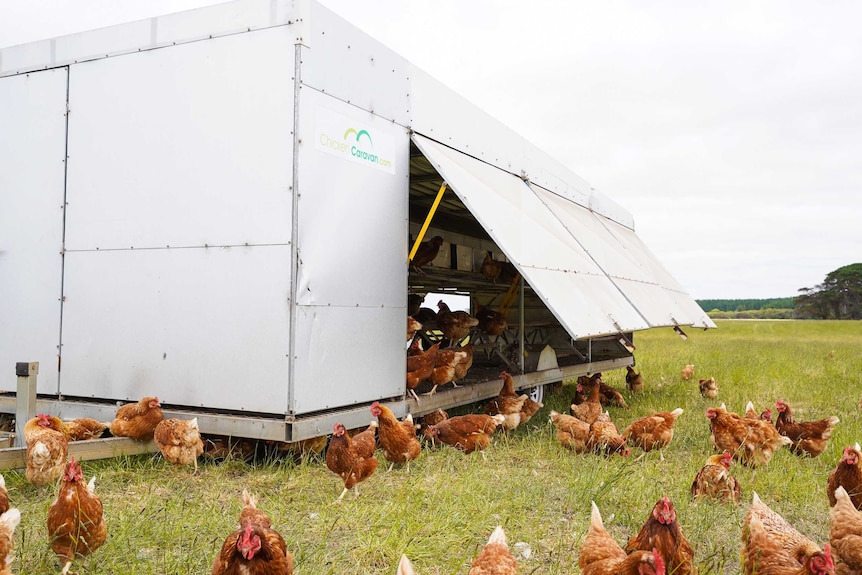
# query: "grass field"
(163, 520)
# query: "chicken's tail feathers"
(91, 486)
(841, 493)
(373, 423)
(409, 418)
(404, 566)
(755, 499)
(596, 517)
(194, 423)
(749, 406)
(248, 500)
(2, 481)
(12, 518)
(785, 440)
(834, 420)
(677, 412)
(498, 419)
(498, 536)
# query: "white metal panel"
(624, 269)
(99, 43)
(32, 150)
(202, 327)
(685, 310)
(344, 62)
(352, 214)
(346, 356)
(605, 206)
(224, 18)
(185, 146)
(171, 29)
(352, 250)
(572, 286)
(30, 56)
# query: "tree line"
(838, 297)
(745, 304)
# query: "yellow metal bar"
(427, 221)
(509, 298)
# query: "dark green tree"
(838, 297)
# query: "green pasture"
(161, 519)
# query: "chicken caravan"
(217, 207)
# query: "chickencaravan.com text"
(343, 147)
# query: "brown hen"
(845, 533)
(495, 558)
(653, 431)
(138, 420)
(772, 546)
(751, 441)
(714, 480)
(76, 524)
(810, 437)
(47, 450)
(662, 531)
(352, 458)
(468, 433)
(397, 438)
(601, 555)
(255, 548)
(180, 441)
(847, 474)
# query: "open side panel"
(352, 258)
(178, 263)
(620, 254)
(568, 281)
(32, 160)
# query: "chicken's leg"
(432, 392)
(340, 497)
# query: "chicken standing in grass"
(771, 546)
(495, 558)
(708, 388)
(601, 555)
(845, 533)
(751, 441)
(180, 441)
(9, 520)
(810, 437)
(687, 372)
(47, 450)
(138, 420)
(663, 532)
(653, 431)
(76, 524)
(714, 480)
(397, 438)
(572, 433)
(255, 548)
(847, 474)
(352, 458)
(634, 381)
(468, 433)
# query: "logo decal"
(356, 144)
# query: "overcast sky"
(731, 130)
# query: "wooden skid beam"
(14, 457)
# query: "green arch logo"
(359, 134)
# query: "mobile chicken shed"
(216, 207)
